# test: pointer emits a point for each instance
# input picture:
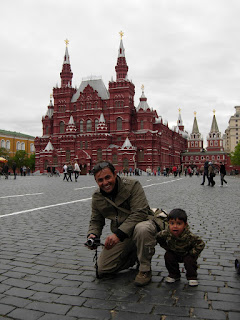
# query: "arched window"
(61, 127)
(22, 146)
(55, 160)
(3, 143)
(115, 159)
(140, 155)
(119, 124)
(96, 124)
(32, 148)
(86, 145)
(125, 163)
(45, 164)
(68, 155)
(89, 125)
(8, 145)
(99, 154)
(46, 129)
(81, 126)
(18, 146)
(141, 124)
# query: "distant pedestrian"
(69, 171)
(14, 167)
(222, 173)
(24, 170)
(205, 172)
(49, 171)
(76, 170)
(211, 173)
(174, 170)
(5, 170)
(65, 172)
(181, 246)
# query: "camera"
(93, 243)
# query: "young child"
(181, 246)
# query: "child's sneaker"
(192, 283)
(171, 280)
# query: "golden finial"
(179, 110)
(142, 87)
(51, 95)
(214, 111)
(121, 34)
(195, 113)
(67, 42)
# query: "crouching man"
(123, 201)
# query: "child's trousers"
(172, 264)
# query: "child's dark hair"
(178, 214)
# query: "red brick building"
(196, 155)
(93, 123)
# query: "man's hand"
(111, 241)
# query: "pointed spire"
(179, 122)
(66, 56)
(102, 119)
(121, 67)
(195, 124)
(71, 121)
(66, 74)
(214, 127)
(143, 101)
(102, 127)
(71, 127)
(127, 144)
(50, 108)
(49, 146)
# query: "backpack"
(160, 217)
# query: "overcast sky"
(184, 52)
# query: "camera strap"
(96, 265)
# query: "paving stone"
(70, 300)
(19, 292)
(50, 316)
(44, 296)
(71, 291)
(233, 316)
(20, 283)
(49, 307)
(24, 314)
(5, 309)
(209, 314)
(177, 311)
(15, 301)
(122, 315)
(87, 313)
(226, 306)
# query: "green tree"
(4, 153)
(31, 162)
(235, 156)
(21, 158)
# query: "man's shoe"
(202, 184)
(171, 280)
(143, 278)
(192, 283)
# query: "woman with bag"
(76, 171)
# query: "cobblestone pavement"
(46, 273)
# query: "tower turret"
(121, 67)
(214, 139)
(66, 74)
(195, 142)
